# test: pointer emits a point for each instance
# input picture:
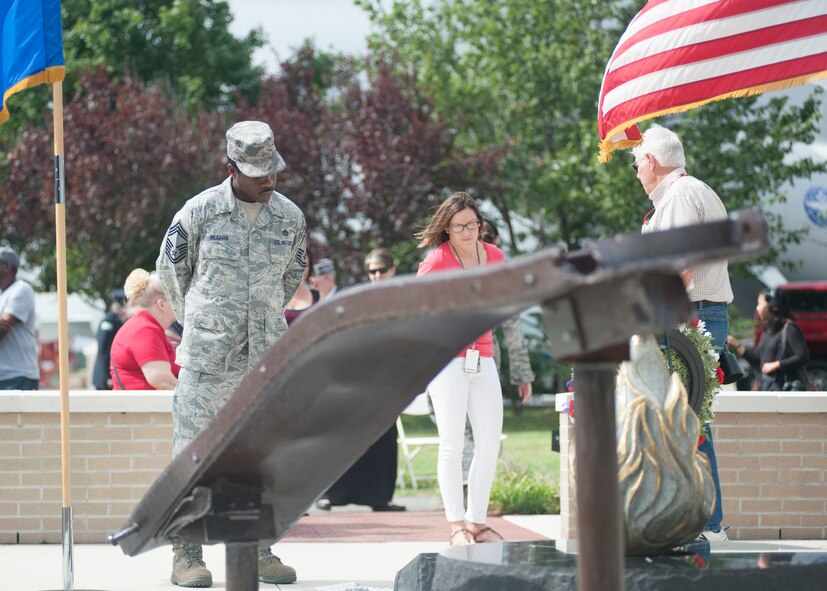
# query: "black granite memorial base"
(418, 574)
(539, 566)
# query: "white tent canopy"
(83, 316)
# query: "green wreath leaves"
(702, 340)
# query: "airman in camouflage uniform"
(520, 368)
(231, 260)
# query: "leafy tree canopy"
(366, 160)
(366, 157)
(184, 44)
(133, 159)
(525, 76)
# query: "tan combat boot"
(188, 568)
(271, 570)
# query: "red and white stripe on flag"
(679, 54)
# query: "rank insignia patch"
(176, 244)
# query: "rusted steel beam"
(326, 390)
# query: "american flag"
(679, 54)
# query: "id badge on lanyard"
(472, 360)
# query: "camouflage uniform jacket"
(227, 284)
(519, 365)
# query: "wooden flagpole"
(63, 339)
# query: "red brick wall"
(772, 468)
(116, 454)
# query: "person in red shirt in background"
(142, 358)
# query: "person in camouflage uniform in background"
(520, 373)
(231, 260)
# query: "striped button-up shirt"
(683, 200)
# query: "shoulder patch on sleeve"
(176, 244)
(301, 257)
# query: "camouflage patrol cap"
(251, 146)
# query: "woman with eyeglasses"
(141, 357)
(469, 385)
(781, 352)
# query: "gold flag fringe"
(47, 76)
(607, 146)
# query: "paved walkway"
(347, 549)
(104, 568)
(337, 550)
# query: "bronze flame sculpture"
(666, 488)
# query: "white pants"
(455, 395)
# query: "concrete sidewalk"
(327, 566)
(104, 568)
(320, 565)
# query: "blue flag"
(31, 46)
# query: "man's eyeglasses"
(636, 164)
(379, 270)
(457, 228)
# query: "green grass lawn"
(528, 445)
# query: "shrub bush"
(521, 491)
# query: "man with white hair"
(679, 199)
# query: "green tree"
(525, 77)
(183, 46)
(186, 45)
(366, 159)
(132, 159)
(142, 79)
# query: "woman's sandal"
(486, 534)
(467, 537)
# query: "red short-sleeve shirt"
(140, 340)
(442, 259)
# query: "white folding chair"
(411, 446)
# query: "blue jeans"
(20, 383)
(716, 319)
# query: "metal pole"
(600, 546)
(242, 566)
(63, 338)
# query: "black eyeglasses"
(457, 228)
(380, 270)
(634, 166)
